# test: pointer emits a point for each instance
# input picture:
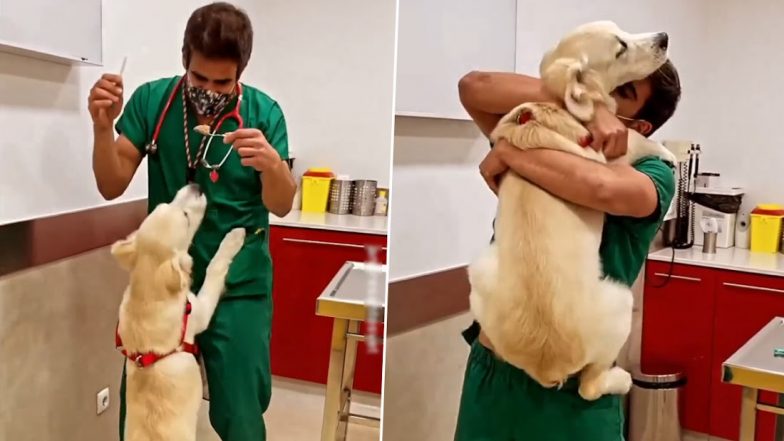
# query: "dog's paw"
(590, 390)
(615, 381)
(232, 242)
(618, 381)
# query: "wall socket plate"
(102, 401)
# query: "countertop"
(333, 222)
(356, 288)
(755, 364)
(734, 259)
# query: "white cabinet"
(439, 41)
(57, 30)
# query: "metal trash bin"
(655, 406)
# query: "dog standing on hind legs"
(160, 317)
(539, 292)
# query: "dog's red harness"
(146, 359)
(524, 116)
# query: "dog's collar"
(143, 360)
(525, 116)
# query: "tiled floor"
(295, 414)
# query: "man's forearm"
(106, 164)
(567, 176)
(487, 96)
(618, 190)
(278, 189)
(500, 92)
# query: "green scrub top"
(627, 240)
(234, 200)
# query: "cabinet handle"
(334, 244)
(753, 288)
(673, 276)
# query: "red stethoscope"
(152, 147)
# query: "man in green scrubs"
(500, 402)
(243, 176)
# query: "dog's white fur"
(538, 292)
(163, 399)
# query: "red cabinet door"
(677, 331)
(304, 262)
(744, 304)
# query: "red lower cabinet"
(676, 333)
(304, 262)
(744, 304)
(697, 320)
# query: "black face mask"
(207, 102)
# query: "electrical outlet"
(102, 400)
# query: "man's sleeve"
(133, 122)
(276, 133)
(663, 178)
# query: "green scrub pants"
(236, 353)
(501, 403)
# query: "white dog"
(538, 292)
(159, 318)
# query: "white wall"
(329, 65)
(43, 110)
(743, 117)
(441, 209)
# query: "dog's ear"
(569, 78)
(577, 99)
(124, 251)
(170, 275)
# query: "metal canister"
(340, 196)
(364, 198)
(709, 242)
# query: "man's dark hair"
(665, 95)
(219, 31)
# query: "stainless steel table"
(345, 300)
(755, 367)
